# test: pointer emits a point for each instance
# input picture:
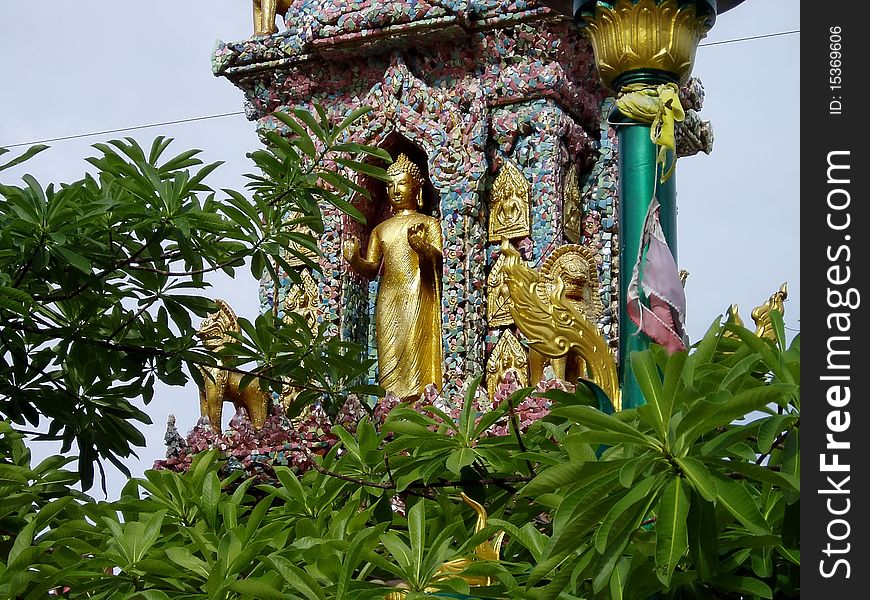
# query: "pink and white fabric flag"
(656, 298)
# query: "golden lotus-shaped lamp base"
(645, 36)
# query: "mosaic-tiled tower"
(471, 87)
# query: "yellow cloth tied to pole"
(660, 106)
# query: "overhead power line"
(120, 129)
(240, 112)
(754, 37)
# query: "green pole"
(641, 43)
(637, 177)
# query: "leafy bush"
(695, 494)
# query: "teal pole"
(637, 183)
(661, 50)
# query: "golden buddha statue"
(408, 308)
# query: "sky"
(94, 65)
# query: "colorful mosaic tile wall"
(469, 83)
(600, 231)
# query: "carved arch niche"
(450, 127)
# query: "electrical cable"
(239, 112)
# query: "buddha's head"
(405, 185)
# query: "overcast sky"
(93, 65)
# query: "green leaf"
(258, 588)
(73, 258)
(599, 422)
(358, 547)
(703, 536)
(672, 541)
(759, 473)
(646, 491)
(793, 555)
(699, 477)
(364, 168)
(27, 155)
(16, 294)
(630, 469)
(299, 580)
(726, 412)
(737, 500)
(185, 559)
(210, 495)
(399, 550)
(791, 461)
(151, 532)
(671, 387)
(566, 474)
(770, 429)
(743, 585)
(643, 365)
(353, 116)
(312, 123)
(619, 579)
(345, 206)
(417, 536)
(152, 595)
(23, 541)
(303, 140)
(460, 458)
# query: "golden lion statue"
(558, 325)
(221, 385)
(265, 12)
(575, 266)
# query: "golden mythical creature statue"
(509, 205)
(575, 267)
(760, 314)
(452, 569)
(408, 308)
(488, 550)
(265, 12)
(556, 326)
(221, 385)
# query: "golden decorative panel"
(293, 259)
(576, 266)
(498, 299)
(509, 205)
(572, 208)
(761, 314)
(302, 299)
(220, 385)
(508, 354)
